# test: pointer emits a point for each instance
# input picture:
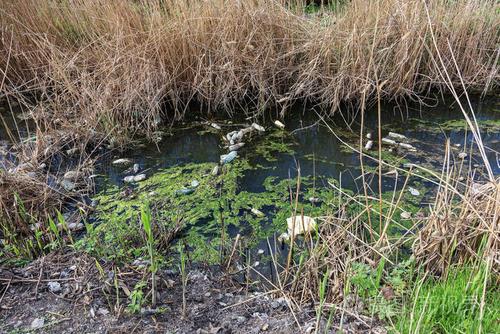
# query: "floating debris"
(257, 212)
(135, 168)
(369, 145)
(215, 126)
(405, 215)
(122, 161)
(227, 158)
(195, 184)
(396, 135)
(279, 124)
(283, 237)
(300, 224)
(258, 127)
(184, 191)
(236, 147)
(407, 146)
(230, 135)
(260, 252)
(369, 135)
(462, 155)
(388, 141)
(215, 171)
(128, 179)
(414, 191)
(139, 178)
(314, 200)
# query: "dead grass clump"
(338, 245)
(461, 228)
(114, 66)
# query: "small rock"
(236, 147)
(37, 323)
(208, 294)
(215, 126)
(264, 327)
(279, 124)
(462, 155)
(414, 191)
(122, 161)
(258, 127)
(54, 287)
(396, 135)
(369, 145)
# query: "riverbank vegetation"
(94, 76)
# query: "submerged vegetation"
(409, 244)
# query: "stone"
(300, 224)
(264, 327)
(122, 161)
(279, 124)
(54, 287)
(37, 323)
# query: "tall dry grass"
(119, 67)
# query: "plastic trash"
(227, 158)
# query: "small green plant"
(146, 220)
(136, 297)
(184, 278)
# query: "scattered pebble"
(54, 287)
(37, 323)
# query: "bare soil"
(93, 298)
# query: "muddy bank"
(69, 293)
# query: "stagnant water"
(266, 171)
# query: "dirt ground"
(70, 293)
